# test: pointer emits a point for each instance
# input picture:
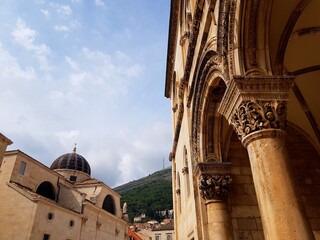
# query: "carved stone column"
(256, 107)
(214, 184)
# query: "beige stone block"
(235, 170)
(237, 189)
(245, 211)
(257, 235)
(247, 223)
(246, 171)
(241, 179)
(242, 200)
(249, 189)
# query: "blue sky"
(90, 72)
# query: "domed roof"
(72, 161)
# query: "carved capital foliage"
(214, 180)
(255, 103)
(215, 187)
(253, 116)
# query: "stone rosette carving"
(253, 116)
(215, 187)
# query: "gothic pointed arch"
(208, 90)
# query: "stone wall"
(306, 170)
(245, 215)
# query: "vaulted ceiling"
(294, 44)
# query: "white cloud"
(61, 28)
(62, 9)
(26, 37)
(11, 72)
(65, 137)
(67, 28)
(99, 3)
(72, 63)
(45, 12)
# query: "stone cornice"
(209, 168)
(258, 88)
(172, 39)
(5, 139)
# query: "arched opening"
(212, 124)
(46, 189)
(109, 205)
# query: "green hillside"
(148, 195)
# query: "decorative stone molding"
(175, 108)
(223, 26)
(215, 187)
(185, 170)
(214, 180)
(184, 37)
(178, 192)
(255, 103)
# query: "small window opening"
(22, 168)
(71, 223)
(50, 216)
(46, 236)
(73, 178)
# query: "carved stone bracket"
(215, 187)
(251, 104)
(214, 180)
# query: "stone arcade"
(244, 79)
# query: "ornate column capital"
(251, 104)
(214, 180)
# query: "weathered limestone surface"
(282, 212)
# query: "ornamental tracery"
(253, 116)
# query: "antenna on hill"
(163, 163)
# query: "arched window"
(46, 189)
(109, 205)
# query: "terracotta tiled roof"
(164, 227)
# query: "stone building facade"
(62, 202)
(243, 78)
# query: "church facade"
(243, 78)
(62, 202)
